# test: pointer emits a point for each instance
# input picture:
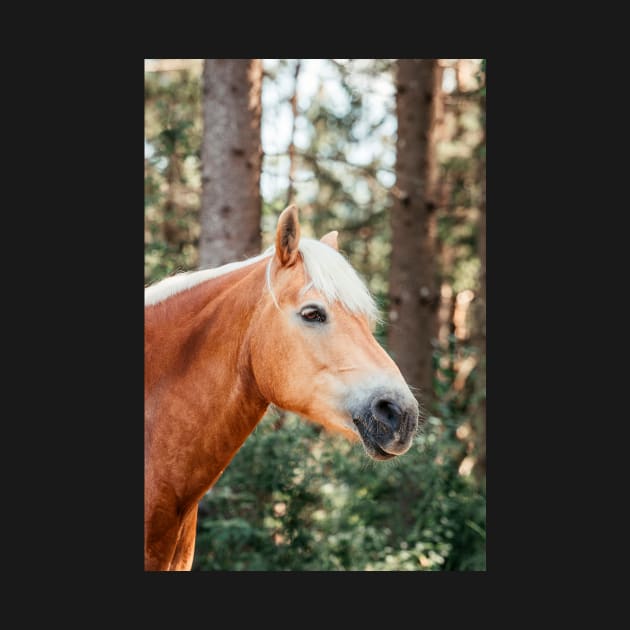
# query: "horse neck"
(201, 398)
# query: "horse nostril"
(387, 412)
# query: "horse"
(292, 327)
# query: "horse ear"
(331, 239)
(288, 236)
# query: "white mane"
(163, 289)
(328, 272)
(332, 275)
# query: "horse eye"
(313, 314)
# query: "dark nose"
(387, 413)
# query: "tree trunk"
(412, 284)
(231, 156)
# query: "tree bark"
(231, 155)
(412, 284)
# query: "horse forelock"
(326, 269)
(333, 276)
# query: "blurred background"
(391, 153)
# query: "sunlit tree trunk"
(412, 284)
(231, 157)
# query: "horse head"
(312, 349)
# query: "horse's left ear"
(288, 236)
(331, 239)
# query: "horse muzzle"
(387, 423)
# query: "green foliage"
(171, 167)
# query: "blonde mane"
(328, 272)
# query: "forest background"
(392, 154)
